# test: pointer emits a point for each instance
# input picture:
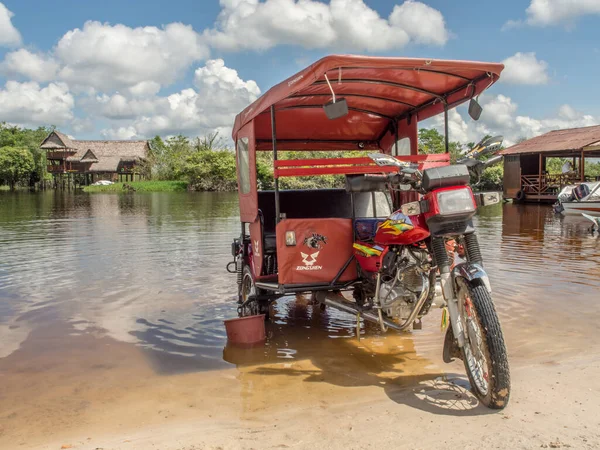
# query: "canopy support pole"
(274, 140)
(396, 142)
(446, 143)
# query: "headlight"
(456, 201)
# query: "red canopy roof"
(378, 90)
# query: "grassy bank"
(140, 186)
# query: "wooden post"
(540, 174)
(582, 166)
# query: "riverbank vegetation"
(141, 186)
(207, 164)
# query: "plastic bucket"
(246, 330)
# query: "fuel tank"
(399, 229)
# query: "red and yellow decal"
(395, 227)
(368, 251)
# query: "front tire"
(484, 352)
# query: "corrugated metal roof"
(558, 140)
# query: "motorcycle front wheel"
(484, 352)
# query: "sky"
(135, 69)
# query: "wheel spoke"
(474, 352)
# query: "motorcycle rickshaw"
(399, 228)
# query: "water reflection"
(109, 302)
(110, 260)
(148, 269)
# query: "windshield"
(372, 204)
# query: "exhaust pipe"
(345, 306)
(339, 302)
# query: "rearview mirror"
(337, 109)
(475, 109)
(491, 145)
(484, 147)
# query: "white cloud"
(498, 112)
(119, 107)
(256, 25)
(567, 117)
(81, 125)
(553, 12)
(423, 23)
(112, 57)
(218, 96)
(28, 104)
(9, 35)
(144, 88)
(33, 66)
(500, 117)
(524, 68)
(120, 133)
(113, 62)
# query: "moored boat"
(581, 198)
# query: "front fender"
(471, 272)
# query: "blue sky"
(100, 92)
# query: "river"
(101, 291)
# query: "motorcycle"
(420, 243)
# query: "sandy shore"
(554, 405)
(381, 392)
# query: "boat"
(579, 198)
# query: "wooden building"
(525, 164)
(84, 162)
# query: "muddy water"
(111, 310)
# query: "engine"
(402, 283)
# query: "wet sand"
(111, 337)
(380, 392)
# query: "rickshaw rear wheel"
(248, 289)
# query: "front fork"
(470, 270)
(452, 302)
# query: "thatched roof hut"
(70, 155)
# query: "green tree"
(492, 177)
(211, 170)
(16, 165)
(432, 141)
(13, 136)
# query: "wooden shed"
(525, 165)
(89, 161)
